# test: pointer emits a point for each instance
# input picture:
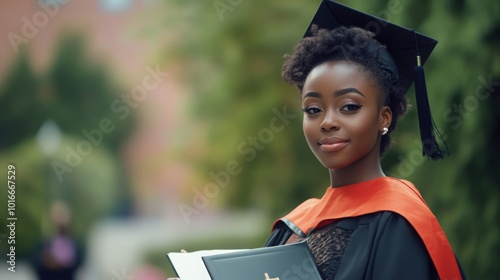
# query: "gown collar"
(376, 195)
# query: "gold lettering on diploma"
(267, 277)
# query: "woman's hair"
(352, 45)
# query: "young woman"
(352, 85)
(367, 225)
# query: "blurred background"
(140, 127)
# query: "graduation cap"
(407, 51)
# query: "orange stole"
(380, 194)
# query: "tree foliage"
(76, 93)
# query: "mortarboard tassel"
(428, 129)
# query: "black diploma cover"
(291, 261)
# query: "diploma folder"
(291, 261)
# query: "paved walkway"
(116, 248)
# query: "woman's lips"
(332, 144)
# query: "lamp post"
(48, 139)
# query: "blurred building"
(116, 33)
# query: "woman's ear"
(385, 118)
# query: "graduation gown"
(378, 229)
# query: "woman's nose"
(330, 122)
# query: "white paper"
(190, 266)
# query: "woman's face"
(343, 116)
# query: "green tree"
(464, 81)
(81, 91)
(233, 62)
(19, 103)
(76, 92)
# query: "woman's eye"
(311, 110)
(351, 107)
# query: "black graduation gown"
(381, 245)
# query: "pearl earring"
(385, 130)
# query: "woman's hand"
(175, 278)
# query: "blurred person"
(59, 257)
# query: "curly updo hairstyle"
(352, 45)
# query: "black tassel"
(428, 129)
